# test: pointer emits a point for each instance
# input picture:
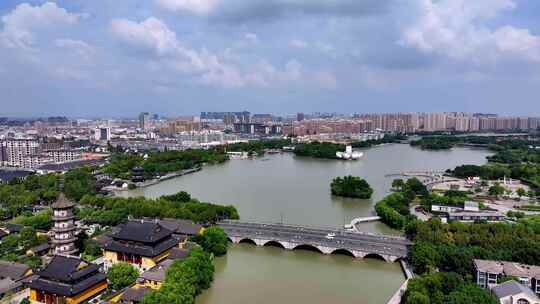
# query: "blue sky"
(177, 57)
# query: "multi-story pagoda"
(64, 226)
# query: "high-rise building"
(64, 226)
(103, 134)
(144, 120)
(474, 124)
(435, 121)
(14, 151)
(533, 123)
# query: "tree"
(398, 183)
(424, 257)
(351, 186)
(121, 275)
(417, 298)
(521, 192)
(181, 196)
(79, 182)
(28, 238)
(471, 294)
(213, 240)
(496, 190)
(25, 301)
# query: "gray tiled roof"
(135, 295)
(62, 202)
(512, 287)
(12, 270)
(508, 268)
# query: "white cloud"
(453, 28)
(518, 41)
(326, 79)
(197, 7)
(151, 33)
(251, 37)
(154, 35)
(79, 47)
(299, 44)
(20, 23)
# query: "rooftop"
(12, 270)
(510, 288)
(71, 165)
(62, 202)
(67, 276)
(186, 227)
(142, 231)
(508, 268)
(7, 175)
(158, 272)
(67, 269)
(134, 295)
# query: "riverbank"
(153, 182)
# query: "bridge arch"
(274, 244)
(307, 247)
(247, 241)
(343, 251)
(376, 256)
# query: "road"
(374, 243)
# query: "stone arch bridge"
(326, 241)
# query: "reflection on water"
(269, 275)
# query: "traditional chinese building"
(67, 279)
(64, 226)
(142, 243)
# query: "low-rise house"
(11, 276)
(3, 234)
(466, 216)
(39, 250)
(155, 276)
(471, 206)
(182, 227)
(488, 272)
(134, 295)
(67, 279)
(8, 175)
(445, 208)
(512, 292)
(130, 295)
(13, 228)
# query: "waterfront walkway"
(324, 240)
(407, 270)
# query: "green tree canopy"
(213, 240)
(351, 186)
(121, 275)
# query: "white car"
(330, 236)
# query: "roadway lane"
(316, 236)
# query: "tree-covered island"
(351, 186)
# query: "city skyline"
(172, 57)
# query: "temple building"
(64, 226)
(68, 280)
(142, 243)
